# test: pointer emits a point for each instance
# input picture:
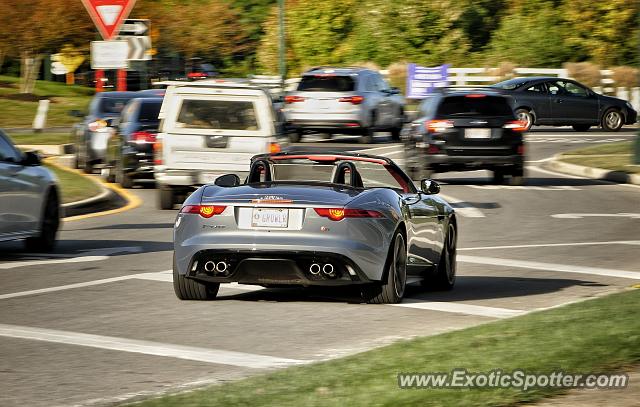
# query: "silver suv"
(347, 100)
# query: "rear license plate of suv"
(271, 218)
(477, 133)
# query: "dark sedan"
(130, 149)
(564, 102)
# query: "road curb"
(111, 200)
(556, 164)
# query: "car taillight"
(432, 149)
(197, 75)
(293, 99)
(520, 149)
(516, 125)
(354, 100)
(206, 211)
(338, 214)
(157, 152)
(274, 148)
(143, 137)
(438, 126)
(475, 95)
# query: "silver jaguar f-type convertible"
(315, 219)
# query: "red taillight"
(143, 137)
(274, 148)
(354, 100)
(475, 95)
(338, 214)
(157, 152)
(293, 99)
(521, 149)
(206, 211)
(438, 126)
(516, 125)
(433, 149)
(194, 75)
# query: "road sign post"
(121, 83)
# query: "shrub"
(626, 76)
(504, 71)
(397, 75)
(585, 72)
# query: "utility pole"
(282, 47)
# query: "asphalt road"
(98, 321)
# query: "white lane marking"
(595, 215)
(369, 150)
(463, 208)
(88, 256)
(559, 174)
(217, 356)
(523, 246)
(544, 160)
(64, 287)
(479, 310)
(551, 188)
(81, 259)
(635, 275)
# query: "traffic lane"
(290, 323)
(35, 373)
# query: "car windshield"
(326, 83)
(113, 105)
(149, 111)
(218, 114)
(475, 105)
(510, 84)
(374, 174)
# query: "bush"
(369, 65)
(504, 71)
(584, 72)
(626, 76)
(398, 75)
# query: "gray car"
(311, 219)
(347, 100)
(29, 198)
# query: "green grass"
(74, 187)
(41, 138)
(619, 160)
(593, 336)
(19, 113)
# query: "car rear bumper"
(473, 161)
(354, 125)
(139, 165)
(275, 268)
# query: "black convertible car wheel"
(392, 290)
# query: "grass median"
(593, 336)
(612, 156)
(41, 138)
(18, 110)
(74, 187)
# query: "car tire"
(367, 136)
(526, 116)
(166, 198)
(445, 274)
(188, 289)
(395, 133)
(498, 177)
(581, 127)
(123, 178)
(391, 291)
(45, 241)
(517, 177)
(612, 120)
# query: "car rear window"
(113, 105)
(217, 114)
(475, 106)
(149, 111)
(326, 83)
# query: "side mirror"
(227, 180)
(76, 113)
(394, 91)
(430, 187)
(31, 159)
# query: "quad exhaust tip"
(209, 266)
(314, 269)
(328, 269)
(221, 267)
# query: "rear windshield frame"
(464, 106)
(334, 83)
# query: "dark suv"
(466, 129)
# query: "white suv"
(210, 128)
(344, 100)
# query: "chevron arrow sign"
(139, 47)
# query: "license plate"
(477, 133)
(270, 218)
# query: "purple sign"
(421, 80)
